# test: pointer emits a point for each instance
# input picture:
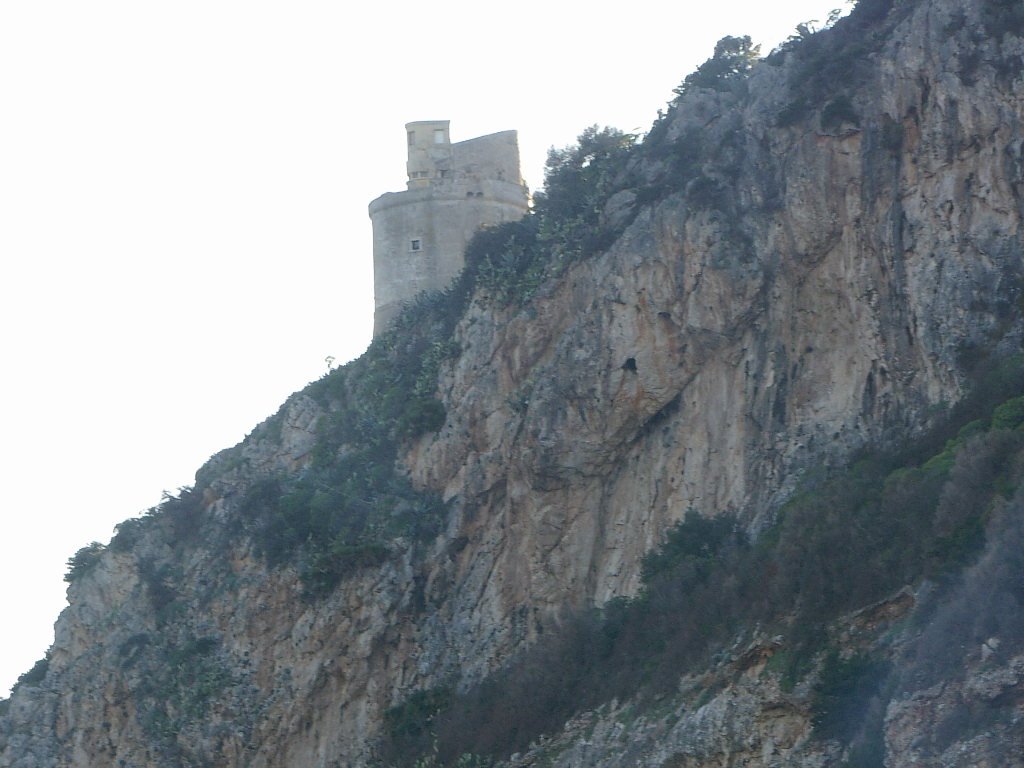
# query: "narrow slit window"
(416, 245)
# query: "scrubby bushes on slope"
(847, 539)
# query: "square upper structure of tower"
(420, 234)
(433, 159)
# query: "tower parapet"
(420, 234)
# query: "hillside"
(714, 459)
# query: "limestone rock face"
(915, 728)
(703, 361)
(750, 722)
(702, 364)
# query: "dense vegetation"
(175, 687)
(848, 539)
(733, 60)
(346, 510)
(829, 63)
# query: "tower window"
(412, 138)
(416, 245)
(439, 135)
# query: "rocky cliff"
(799, 266)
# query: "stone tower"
(420, 235)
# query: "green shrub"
(415, 716)
(867, 12)
(131, 649)
(731, 63)
(507, 262)
(160, 584)
(578, 181)
(83, 561)
(33, 677)
(791, 666)
(328, 567)
(844, 692)
(838, 112)
(126, 534)
(37, 674)
(693, 545)
(338, 519)
(983, 608)
(828, 62)
(178, 684)
(1009, 415)
(422, 415)
(793, 112)
(184, 511)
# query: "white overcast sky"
(183, 227)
